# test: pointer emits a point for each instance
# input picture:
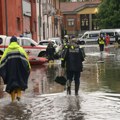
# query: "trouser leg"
(69, 80)
(77, 82)
(69, 87)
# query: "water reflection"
(15, 111)
(73, 109)
(101, 75)
(42, 78)
(99, 92)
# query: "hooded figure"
(15, 69)
(50, 51)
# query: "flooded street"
(99, 94)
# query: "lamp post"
(6, 17)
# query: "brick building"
(18, 17)
(79, 17)
(50, 19)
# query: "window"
(84, 18)
(94, 35)
(1, 40)
(18, 23)
(118, 33)
(111, 34)
(45, 43)
(70, 22)
(94, 22)
(25, 42)
(85, 36)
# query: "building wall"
(71, 29)
(11, 23)
(58, 13)
(78, 21)
(1, 15)
(33, 20)
(12, 13)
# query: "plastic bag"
(60, 79)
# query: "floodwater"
(99, 94)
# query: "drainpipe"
(6, 17)
(40, 20)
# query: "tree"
(76, 0)
(65, 0)
(109, 14)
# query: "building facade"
(18, 17)
(48, 19)
(79, 16)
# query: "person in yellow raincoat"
(15, 69)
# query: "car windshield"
(45, 42)
(119, 34)
(57, 39)
(34, 42)
(111, 34)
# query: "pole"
(6, 17)
(40, 20)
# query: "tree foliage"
(74, 0)
(65, 0)
(109, 14)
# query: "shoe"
(69, 90)
(76, 93)
(18, 98)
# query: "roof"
(75, 6)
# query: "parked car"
(57, 39)
(56, 44)
(89, 37)
(111, 33)
(30, 46)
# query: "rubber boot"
(68, 87)
(76, 89)
(18, 94)
(12, 95)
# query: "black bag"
(61, 80)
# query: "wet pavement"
(99, 95)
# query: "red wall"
(1, 30)
(2, 17)
(33, 20)
(14, 10)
